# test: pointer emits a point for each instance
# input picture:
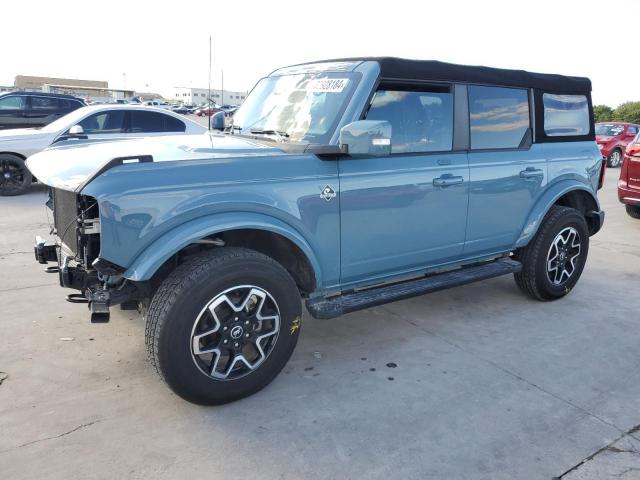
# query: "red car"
(629, 182)
(612, 139)
(207, 111)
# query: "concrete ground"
(477, 382)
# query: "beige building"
(26, 82)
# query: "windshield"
(300, 108)
(66, 122)
(609, 130)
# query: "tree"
(603, 113)
(628, 112)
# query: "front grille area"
(65, 217)
(71, 215)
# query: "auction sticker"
(327, 85)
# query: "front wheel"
(615, 159)
(15, 177)
(223, 325)
(553, 261)
(633, 211)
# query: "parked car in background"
(207, 111)
(158, 104)
(346, 185)
(612, 139)
(181, 109)
(32, 109)
(629, 182)
(87, 123)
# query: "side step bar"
(332, 307)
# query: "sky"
(154, 46)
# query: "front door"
(407, 211)
(12, 111)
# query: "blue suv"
(346, 183)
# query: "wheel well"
(584, 203)
(276, 246)
(14, 154)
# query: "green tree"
(603, 113)
(628, 112)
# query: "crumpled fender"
(159, 251)
(544, 204)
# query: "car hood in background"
(21, 134)
(69, 166)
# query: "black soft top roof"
(431, 70)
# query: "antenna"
(209, 94)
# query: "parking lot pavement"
(474, 382)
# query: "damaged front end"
(76, 252)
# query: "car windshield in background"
(609, 130)
(299, 108)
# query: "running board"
(350, 302)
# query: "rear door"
(153, 123)
(507, 172)
(12, 111)
(42, 111)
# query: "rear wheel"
(553, 261)
(633, 211)
(615, 159)
(223, 325)
(15, 178)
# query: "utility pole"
(222, 87)
(209, 94)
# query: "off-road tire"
(181, 298)
(633, 211)
(533, 278)
(10, 164)
(610, 163)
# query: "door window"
(152, 122)
(13, 102)
(632, 131)
(498, 117)
(104, 122)
(44, 104)
(421, 121)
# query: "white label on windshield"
(327, 85)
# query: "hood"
(69, 166)
(19, 134)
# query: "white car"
(94, 123)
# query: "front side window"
(44, 103)
(565, 115)
(608, 129)
(104, 122)
(13, 102)
(302, 107)
(421, 121)
(498, 117)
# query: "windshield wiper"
(280, 134)
(232, 128)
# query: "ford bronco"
(345, 183)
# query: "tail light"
(633, 150)
(603, 170)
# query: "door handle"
(447, 180)
(531, 173)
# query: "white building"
(197, 96)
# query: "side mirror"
(76, 131)
(217, 121)
(366, 137)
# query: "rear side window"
(421, 121)
(174, 125)
(154, 122)
(565, 115)
(632, 131)
(498, 117)
(13, 102)
(44, 103)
